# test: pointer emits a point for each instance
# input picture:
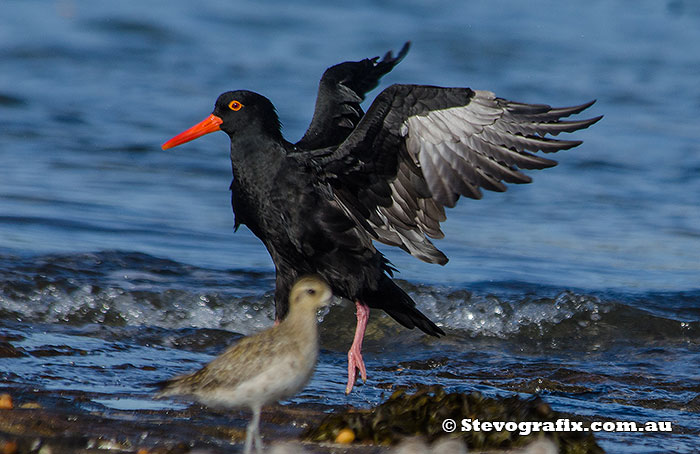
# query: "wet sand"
(65, 428)
(60, 422)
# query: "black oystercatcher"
(385, 175)
(264, 368)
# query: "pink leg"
(355, 361)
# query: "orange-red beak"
(209, 124)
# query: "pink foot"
(355, 361)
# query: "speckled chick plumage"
(263, 368)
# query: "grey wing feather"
(427, 146)
(225, 369)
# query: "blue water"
(593, 268)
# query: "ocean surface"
(118, 261)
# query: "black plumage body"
(385, 175)
(277, 194)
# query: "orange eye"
(235, 105)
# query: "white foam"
(487, 315)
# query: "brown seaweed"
(422, 414)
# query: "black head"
(235, 112)
(243, 110)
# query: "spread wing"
(419, 148)
(341, 90)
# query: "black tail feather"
(394, 301)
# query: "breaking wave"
(126, 289)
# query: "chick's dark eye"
(311, 291)
(235, 105)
